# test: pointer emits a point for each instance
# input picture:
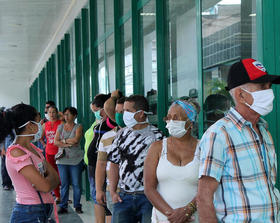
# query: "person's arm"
(100, 175)
(150, 179)
(206, 189)
(114, 179)
(213, 156)
(40, 183)
(110, 104)
(77, 138)
(59, 142)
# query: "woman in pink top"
(49, 131)
(26, 165)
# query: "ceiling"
(30, 31)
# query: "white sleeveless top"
(176, 184)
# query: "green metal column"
(79, 77)
(63, 73)
(137, 50)
(93, 49)
(119, 46)
(31, 95)
(86, 80)
(53, 64)
(35, 94)
(45, 83)
(67, 70)
(162, 61)
(51, 79)
(59, 78)
(200, 65)
(86, 68)
(271, 60)
(42, 92)
(48, 88)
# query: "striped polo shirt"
(245, 167)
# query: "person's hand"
(178, 215)
(115, 197)
(101, 197)
(115, 94)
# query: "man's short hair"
(140, 102)
(121, 100)
(51, 103)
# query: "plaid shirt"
(232, 153)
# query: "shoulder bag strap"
(48, 219)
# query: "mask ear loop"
(190, 125)
(250, 94)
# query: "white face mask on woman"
(263, 101)
(38, 134)
(177, 128)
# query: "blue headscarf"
(188, 108)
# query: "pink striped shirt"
(25, 193)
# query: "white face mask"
(37, 135)
(129, 120)
(177, 128)
(263, 101)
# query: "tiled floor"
(7, 200)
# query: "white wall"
(13, 92)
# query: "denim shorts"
(30, 213)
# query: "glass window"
(102, 72)
(100, 18)
(148, 20)
(110, 62)
(128, 69)
(228, 35)
(183, 75)
(73, 67)
(109, 15)
(183, 69)
(126, 6)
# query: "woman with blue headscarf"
(171, 167)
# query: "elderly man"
(237, 155)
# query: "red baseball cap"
(249, 71)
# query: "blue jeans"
(30, 213)
(133, 208)
(67, 172)
(91, 180)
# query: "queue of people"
(137, 174)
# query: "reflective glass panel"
(183, 69)
(228, 35)
(148, 21)
(128, 68)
